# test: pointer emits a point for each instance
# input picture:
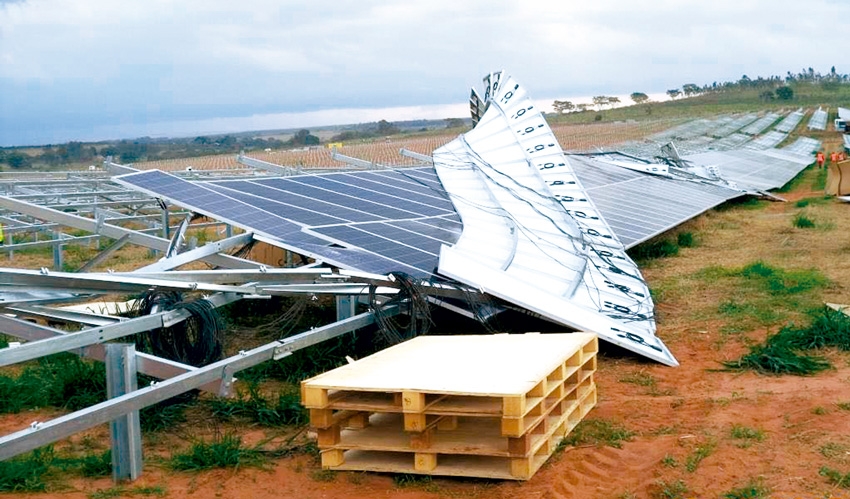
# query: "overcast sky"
(97, 69)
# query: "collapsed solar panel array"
(504, 210)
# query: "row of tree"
(775, 87)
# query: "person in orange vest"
(820, 159)
(833, 158)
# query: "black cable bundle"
(196, 341)
(390, 330)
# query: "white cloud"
(156, 60)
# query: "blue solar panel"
(364, 206)
(382, 228)
(205, 200)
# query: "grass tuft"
(801, 221)
(686, 240)
(599, 432)
(753, 490)
(669, 490)
(253, 406)
(225, 451)
(777, 281)
(747, 435)
(403, 480)
(653, 250)
(835, 477)
(26, 473)
(61, 380)
(779, 354)
(701, 452)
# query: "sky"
(106, 69)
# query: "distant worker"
(820, 159)
(833, 158)
(2, 239)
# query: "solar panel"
(639, 206)
(768, 140)
(790, 122)
(734, 125)
(818, 119)
(761, 124)
(399, 229)
(754, 170)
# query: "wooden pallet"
(436, 404)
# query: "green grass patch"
(835, 477)
(802, 221)
(778, 281)
(701, 452)
(26, 473)
(32, 472)
(313, 360)
(747, 436)
(61, 380)
(753, 490)
(164, 415)
(744, 202)
(653, 250)
(88, 465)
(285, 410)
(844, 406)
(781, 353)
(599, 432)
(686, 240)
(407, 480)
(669, 461)
(226, 451)
(669, 490)
(760, 294)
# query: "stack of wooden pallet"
(493, 406)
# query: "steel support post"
(125, 431)
(346, 306)
(57, 251)
(165, 221)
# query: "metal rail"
(40, 434)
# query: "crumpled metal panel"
(531, 235)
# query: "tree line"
(773, 87)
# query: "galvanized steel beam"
(40, 434)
